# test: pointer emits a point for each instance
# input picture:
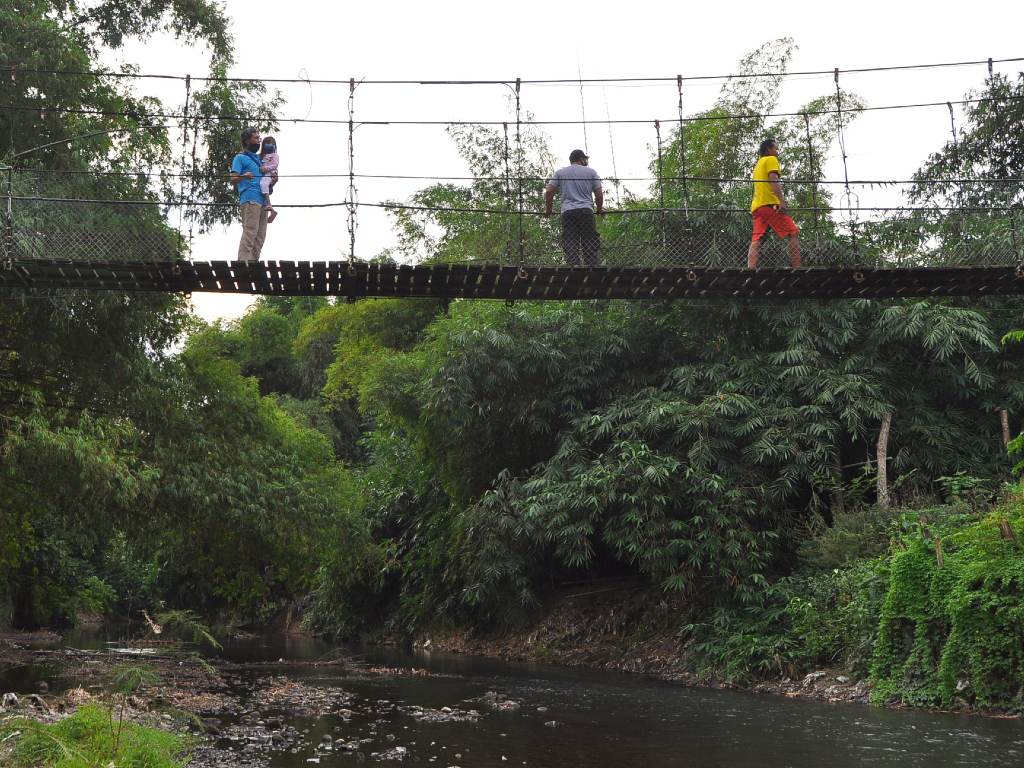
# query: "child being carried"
(269, 161)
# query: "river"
(572, 717)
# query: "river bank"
(389, 704)
(618, 630)
(233, 715)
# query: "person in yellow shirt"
(769, 206)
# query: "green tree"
(84, 377)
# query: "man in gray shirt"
(577, 184)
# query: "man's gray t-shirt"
(576, 185)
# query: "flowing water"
(569, 717)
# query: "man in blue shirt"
(245, 174)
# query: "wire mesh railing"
(106, 217)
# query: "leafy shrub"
(952, 623)
(498, 556)
(95, 596)
(855, 534)
(804, 622)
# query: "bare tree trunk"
(1004, 421)
(881, 453)
(1006, 530)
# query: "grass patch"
(91, 738)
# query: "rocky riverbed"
(237, 714)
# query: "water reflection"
(610, 720)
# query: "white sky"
(443, 39)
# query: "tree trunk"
(1004, 421)
(881, 452)
(1006, 530)
(838, 506)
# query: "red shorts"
(769, 216)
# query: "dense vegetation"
(395, 465)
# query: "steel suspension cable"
(573, 81)
(451, 123)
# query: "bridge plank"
(385, 279)
(403, 277)
(420, 281)
(484, 285)
(500, 282)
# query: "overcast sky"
(539, 40)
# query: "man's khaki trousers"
(254, 231)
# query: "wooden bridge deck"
(486, 281)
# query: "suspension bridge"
(954, 233)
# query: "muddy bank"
(620, 630)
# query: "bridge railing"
(86, 217)
(121, 217)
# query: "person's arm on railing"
(549, 198)
(237, 177)
(235, 171)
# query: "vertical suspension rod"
(184, 164)
(14, 112)
(958, 221)
(661, 185)
(351, 198)
(508, 188)
(8, 235)
(192, 179)
(1018, 254)
(682, 148)
(956, 153)
(814, 175)
(519, 171)
(842, 150)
